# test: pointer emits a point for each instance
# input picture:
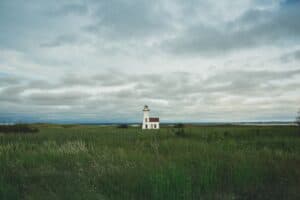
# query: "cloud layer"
(101, 61)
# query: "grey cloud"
(12, 87)
(11, 94)
(140, 37)
(254, 28)
(104, 79)
(257, 76)
(291, 56)
(129, 19)
(74, 79)
(76, 9)
(250, 83)
(41, 84)
(111, 79)
(59, 98)
(112, 20)
(176, 85)
(61, 40)
(222, 92)
(24, 25)
(8, 81)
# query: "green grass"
(92, 162)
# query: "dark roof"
(153, 119)
(146, 108)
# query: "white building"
(149, 122)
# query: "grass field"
(92, 162)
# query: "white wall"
(150, 125)
(145, 119)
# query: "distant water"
(136, 124)
(9, 123)
(269, 124)
(206, 123)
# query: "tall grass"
(92, 162)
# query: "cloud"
(129, 19)
(8, 80)
(237, 93)
(189, 60)
(291, 56)
(250, 82)
(254, 28)
(61, 40)
(68, 9)
(25, 25)
(56, 98)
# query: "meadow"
(206, 162)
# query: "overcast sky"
(192, 60)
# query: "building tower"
(149, 122)
(146, 117)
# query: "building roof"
(153, 119)
(146, 108)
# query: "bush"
(298, 119)
(18, 128)
(68, 125)
(123, 126)
(179, 130)
(226, 133)
(179, 125)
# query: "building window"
(154, 125)
(146, 126)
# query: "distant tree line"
(18, 128)
(179, 130)
(122, 126)
(298, 118)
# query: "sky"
(189, 61)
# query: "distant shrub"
(68, 125)
(257, 132)
(18, 128)
(179, 125)
(298, 119)
(179, 130)
(226, 133)
(122, 126)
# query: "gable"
(153, 119)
